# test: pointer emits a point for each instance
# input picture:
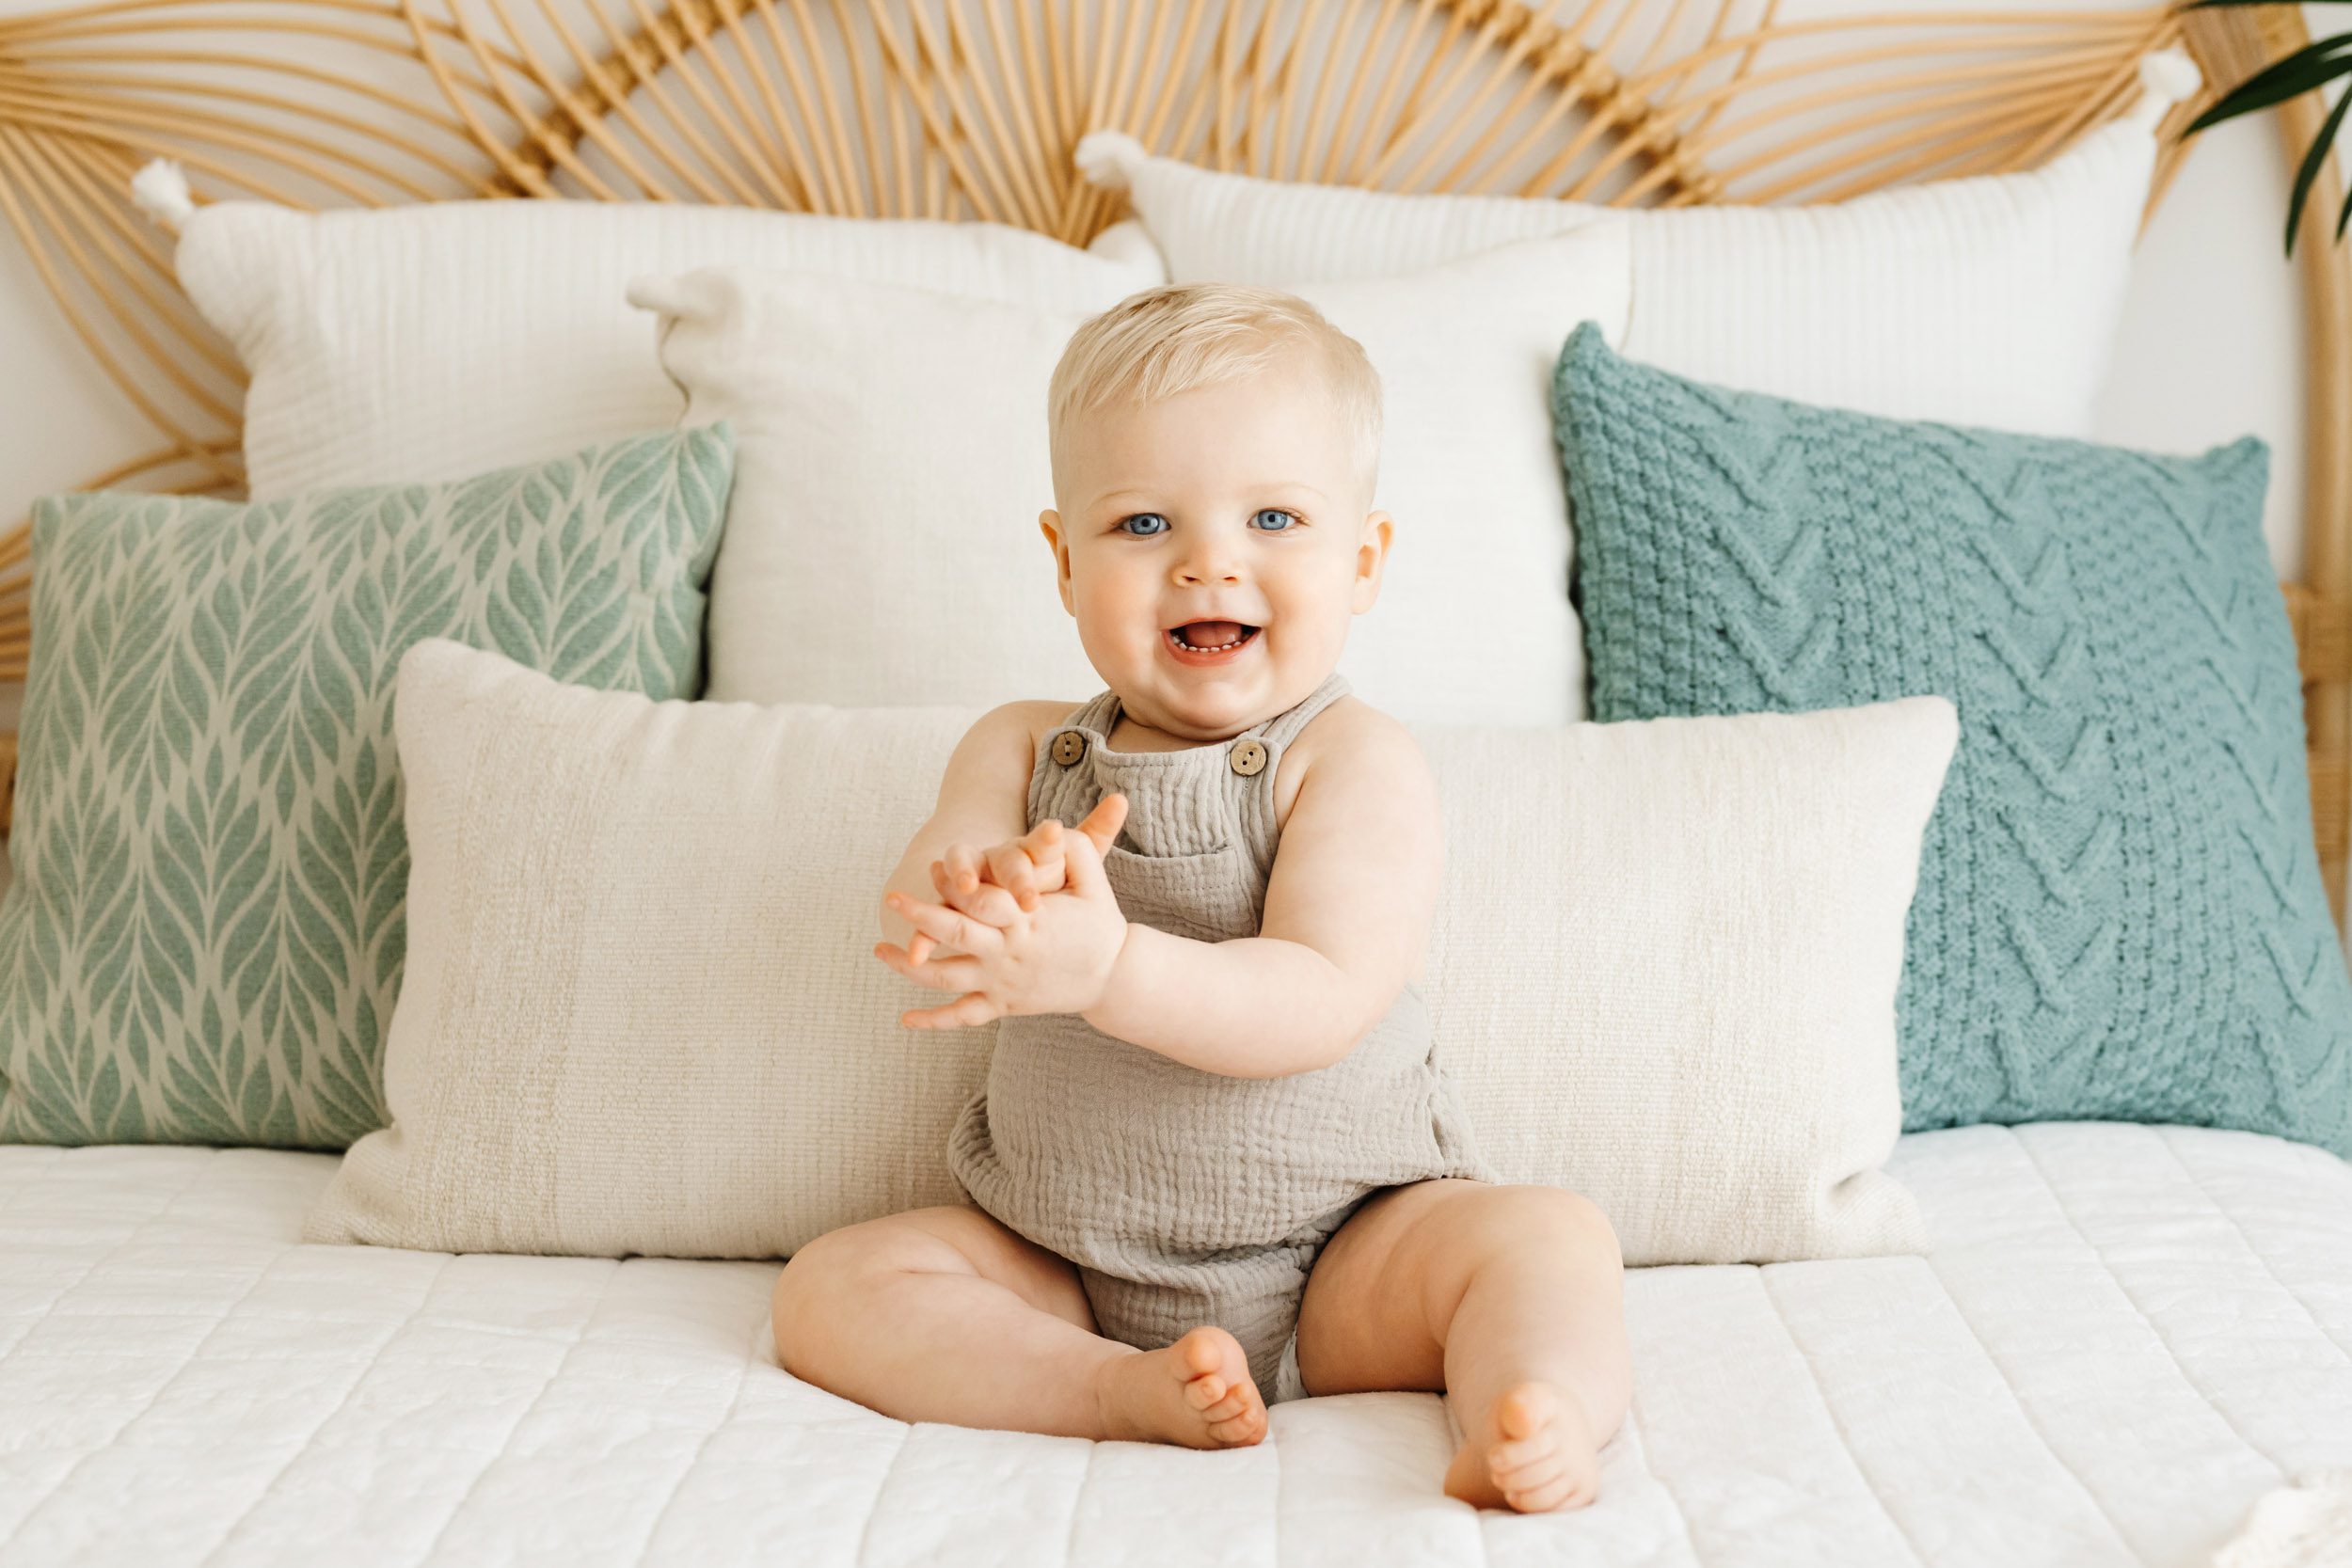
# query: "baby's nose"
(1209, 563)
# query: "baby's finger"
(964, 1012)
(944, 925)
(1083, 875)
(1102, 823)
(1042, 842)
(963, 866)
(1010, 868)
(998, 905)
(939, 973)
(988, 901)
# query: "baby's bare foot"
(1196, 1392)
(1534, 1454)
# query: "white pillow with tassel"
(1986, 301)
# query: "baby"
(1214, 1165)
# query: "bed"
(2122, 1337)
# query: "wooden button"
(1069, 747)
(1248, 758)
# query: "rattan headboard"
(970, 109)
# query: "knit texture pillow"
(2119, 914)
(205, 932)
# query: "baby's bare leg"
(1511, 1300)
(946, 1315)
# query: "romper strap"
(1255, 802)
(1279, 730)
(1094, 713)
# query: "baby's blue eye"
(1272, 519)
(1143, 525)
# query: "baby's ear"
(1049, 524)
(1372, 558)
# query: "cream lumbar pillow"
(429, 342)
(883, 543)
(1987, 301)
(640, 1013)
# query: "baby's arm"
(1348, 915)
(983, 799)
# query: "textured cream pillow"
(640, 1013)
(1990, 301)
(1663, 968)
(433, 342)
(882, 542)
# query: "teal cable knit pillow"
(2119, 914)
(204, 936)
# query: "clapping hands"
(1027, 927)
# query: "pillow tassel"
(160, 189)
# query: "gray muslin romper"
(1187, 1197)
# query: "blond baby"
(1213, 1166)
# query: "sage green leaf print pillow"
(204, 937)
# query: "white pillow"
(1989, 301)
(430, 343)
(640, 1013)
(882, 541)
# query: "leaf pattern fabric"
(204, 937)
(2120, 912)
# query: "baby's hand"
(994, 885)
(1054, 959)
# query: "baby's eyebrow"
(1269, 488)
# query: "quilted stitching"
(2118, 911)
(612, 1273)
(754, 1466)
(262, 1498)
(1763, 1277)
(2172, 1146)
(2026, 1414)
(2196, 1383)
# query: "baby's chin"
(1205, 711)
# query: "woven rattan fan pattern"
(970, 109)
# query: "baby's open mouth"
(1210, 637)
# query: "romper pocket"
(1202, 896)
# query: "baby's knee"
(1554, 1218)
(827, 1283)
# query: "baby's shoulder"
(1029, 719)
(1349, 744)
(1350, 728)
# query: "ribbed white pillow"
(640, 1013)
(1989, 301)
(882, 542)
(432, 343)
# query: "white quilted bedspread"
(2123, 1337)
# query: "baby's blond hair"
(1183, 335)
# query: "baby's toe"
(1527, 1410)
(1241, 1429)
(1507, 1459)
(1234, 1403)
(1554, 1491)
(1202, 1392)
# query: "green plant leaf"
(2313, 66)
(2314, 159)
